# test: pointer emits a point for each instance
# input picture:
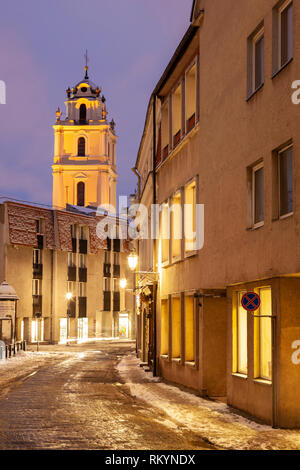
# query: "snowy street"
(95, 396)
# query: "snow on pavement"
(213, 420)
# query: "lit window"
(263, 337)
(239, 336)
(255, 61)
(82, 261)
(176, 115)
(190, 217)
(36, 287)
(71, 259)
(164, 328)
(189, 329)
(285, 171)
(165, 232)
(176, 226)
(258, 195)
(190, 98)
(82, 289)
(176, 327)
(106, 284)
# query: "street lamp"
(132, 261)
(69, 296)
(123, 283)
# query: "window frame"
(253, 39)
(255, 168)
(284, 6)
(195, 63)
(191, 252)
(257, 327)
(237, 296)
(288, 214)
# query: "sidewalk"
(214, 421)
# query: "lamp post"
(69, 296)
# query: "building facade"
(67, 278)
(226, 167)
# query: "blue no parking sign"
(250, 301)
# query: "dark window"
(82, 113)
(286, 181)
(106, 301)
(81, 147)
(259, 62)
(286, 36)
(80, 194)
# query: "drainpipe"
(154, 239)
(135, 171)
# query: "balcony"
(106, 301)
(40, 241)
(116, 244)
(36, 304)
(106, 269)
(71, 273)
(116, 302)
(71, 310)
(116, 270)
(82, 274)
(81, 307)
(37, 271)
(74, 245)
(83, 246)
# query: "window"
(106, 284)
(258, 195)
(82, 234)
(82, 289)
(263, 337)
(36, 287)
(81, 147)
(190, 98)
(176, 226)
(176, 327)
(285, 172)
(189, 329)
(107, 257)
(190, 243)
(285, 33)
(165, 129)
(73, 231)
(82, 260)
(39, 226)
(165, 232)
(239, 336)
(176, 115)
(80, 194)
(164, 328)
(255, 60)
(37, 256)
(82, 113)
(71, 287)
(71, 259)
(116, 285)
(117, 258)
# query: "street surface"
(75, 398)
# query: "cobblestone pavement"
(79, 401)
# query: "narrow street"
(76, 399)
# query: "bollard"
(2, 351)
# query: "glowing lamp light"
(132, 261)
(69, 295)
(123, 283)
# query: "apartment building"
(66, 277)
(226, 147)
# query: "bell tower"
(84, 169)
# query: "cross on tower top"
(86, 63)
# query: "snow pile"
(213, 421)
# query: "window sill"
(189, 254)
(176, 359)
(190, 364)
(281, 68)
(263, 382)
(165, 357)
(256, 226)
(240, 376)
(253, 93)
(285, 216)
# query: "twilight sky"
(42, 43)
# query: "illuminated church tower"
(84, 170)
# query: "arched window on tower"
(82, 113)
(80, 194)
(81, 147)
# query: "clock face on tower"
(84, 167)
